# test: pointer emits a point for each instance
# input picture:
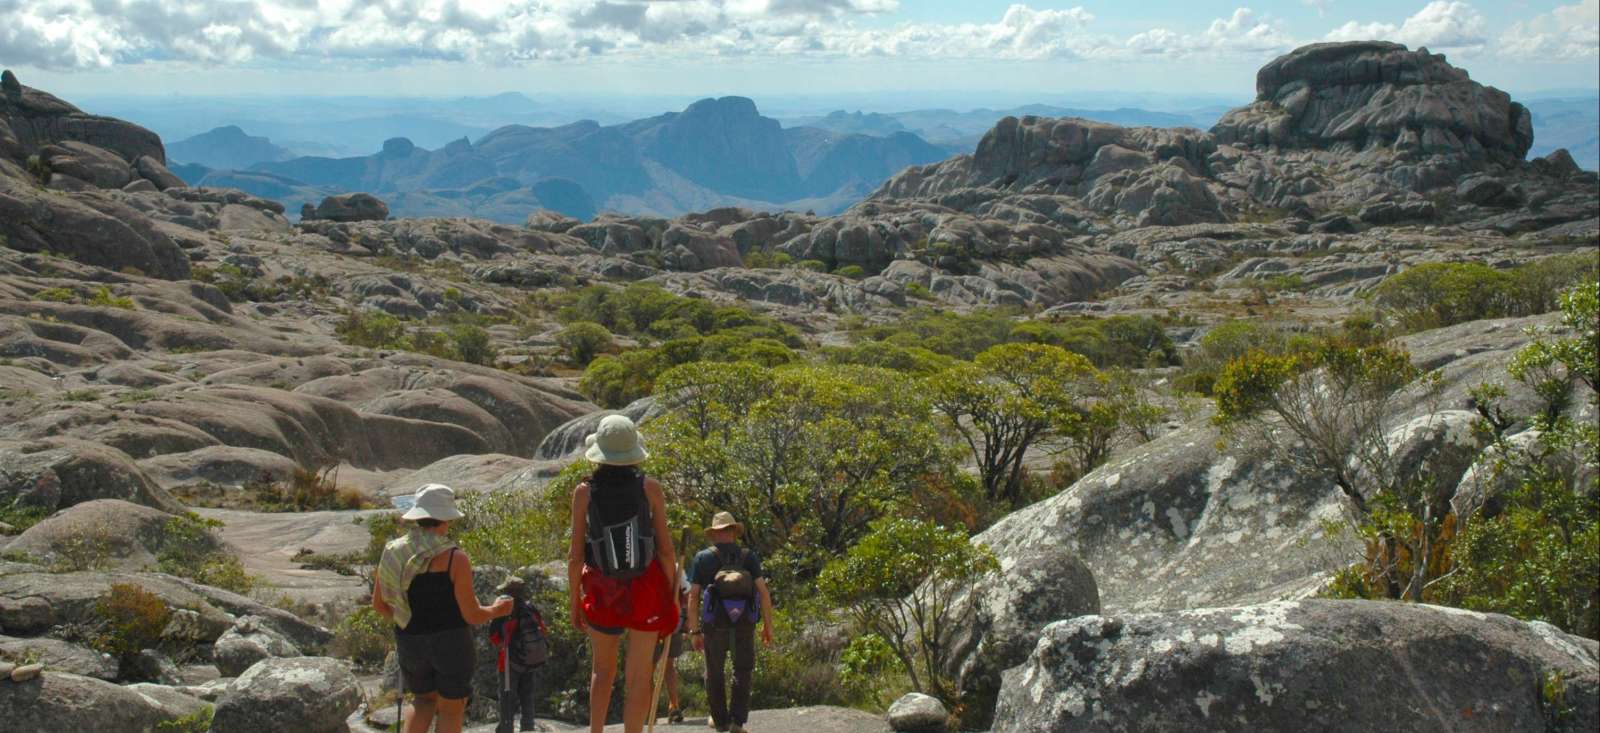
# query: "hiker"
(524, 644)
(675, 649)
(424, 586)
(728, 595)
(621, 570)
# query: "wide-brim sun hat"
(725, 520)
(615, 443)
(434, 501)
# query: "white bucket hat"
(434, 501)
(615, 442)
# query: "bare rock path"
(267, 542)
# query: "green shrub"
(472, 345)
(305, 491)
(198, 721)
(812, 265)
(886, 355)
(364, 637)
(187, 549)
(919, 291)
(56, 295)
(22, 516)
(1443, 294)
(582, 341)
(854, 272)
(373, 330)
(103, 298)
(131, 620)
(867, 672)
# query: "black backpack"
(621, 537)
(528, 646)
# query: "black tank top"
(433, 602)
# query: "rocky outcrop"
(31, 119)
(249, 641)
(128, 535)
(349, 207)
(60, 473)
(60, 656)
(311, 694)
(59, 701)
(918, 713)
(1373, 93)
(1352, 665)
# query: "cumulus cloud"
(1243, 32)
(1438, 25)
(1567, 32)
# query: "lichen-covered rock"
(918, 713)
(60, 701)
(249, 641)
(60, 656)
(350, 207)
(116, 531)
(310, 694)
(61, 473)
(1034, 588)
(1341, 665)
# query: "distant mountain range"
(718, 152)
(1567, 122)
(959, 131)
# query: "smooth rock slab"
(56, 701)
(306, 694)
(1322, 664)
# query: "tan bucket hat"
(725, 520)
(615, 442)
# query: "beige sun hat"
(615, 442)
(725, 520)
(434, 501)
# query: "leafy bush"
(471, 344)
(305, 491)
(373, 330)
(1442, 294)
(56, 295)
(188, 550)
(132, 620)
(583, 340)
(863, 667)
(198, 721)
(22, 516)
(854, 272)
(812, 265)
(886, 355)
(364, 637)
(910, 583)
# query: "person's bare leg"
(637, 674)
(423, 708)
(603, 675)
(672, 685)
(452, 715)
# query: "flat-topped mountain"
(226, 147)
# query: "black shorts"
(440, 662)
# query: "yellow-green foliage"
(187, 549)
(1445, 293)
(582, 341)
(56, 295)
(198, 721)
(132, 619)
(364, 636)
(103, 298)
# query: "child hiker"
(523, 644)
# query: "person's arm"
(664, 549)
(580, 529)
(695, 632)
(378, 604)
(466, 600)
(766, 609)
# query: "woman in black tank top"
(435, 646)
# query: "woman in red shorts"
(621, 570)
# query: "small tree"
(1007, 401)
(472, 345)
(1336, 400)
(583, 340)
(911, 583)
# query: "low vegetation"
(466, 342)
(1446, 293)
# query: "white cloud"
(1242, 33)
(1438, 25)
(1567, 32)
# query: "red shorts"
(641, 604)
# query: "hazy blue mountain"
(717, 152)
(226, 147)
(854, 123)
(1567, 122)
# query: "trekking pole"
(659, 679)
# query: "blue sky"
(757, 47)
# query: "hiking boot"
(674, 716)
(718, 727)
(737, 728)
